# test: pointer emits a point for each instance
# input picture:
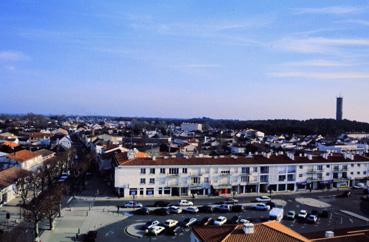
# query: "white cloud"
(319, 44)
(328, 10)
(318, 63)
(321, 75)
(10, 55)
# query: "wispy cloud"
(318, 63)
(319, 44)
(197, 66)
(328, 10)
(11, 55)
(322, 75)
(354, 21)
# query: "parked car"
(206, 221)
(161, 204)
(133, 204)
(237, 208)
(271, 204)
(359, 186)
(324, 213)
(175, 209)
(206, 209)
(174, 230)
(90, 236)
(169, 223)
(142, 211)
(345, 194)
(302, 214)
(150, 224)
(223, 208)
(312, 218)
(191, 209)
(276, 214)
(262, 207)
(365, 198)
(220, 220)
(185, 203)
(155, 230)
(234, 220)
(161, 211)
(263, 199)
(187, 222)
(366, 190)
(230, 201)
(291, 215)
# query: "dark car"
(187, 222)
(271, 204)
(206, 221)
(90, 236)
(259, 219)
(237, 208)
(223, 208)
(345, 194)
(324, 213)
(142, 211)
(206, 209)
(234, 220)
(161, 204)
(230, 201)
(365, 198)
(174, 231)
(161, 211)
(314, 212)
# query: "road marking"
(355, 215)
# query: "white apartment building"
(190, 127)
(226, 175)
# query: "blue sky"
(220, 59)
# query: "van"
(276, 214)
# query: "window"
(245, 170)
(225, 172)
(173, 171)
(328, 166)
(351, 172)
(160, 191)
(319, 176)
(335, 175)
(264, 169)
(358, 165)
(290, 177)
(206, 179)
(344, 175)
(184, 170)
(352, 165)
(282, 170)
(142, 181)
(327, 174)
(244, 179)
(143, 171)
(255, 169)
(152, 180)
(344, 167)
(364, 172)
(264, 178)
(141, 191)
(300, 167)
(358, 172)
(319, 167)
(335, 168)
(291, 169)
(300, 175)
(133, 191)
(149, 191)
(152, 170)
(167, 190)
(195, 180)
(162, 170)
(282, 178)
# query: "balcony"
(225, 174)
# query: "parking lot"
(343, 212)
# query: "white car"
(133, 204)
(263, 199)
(156, 230)
(185, 203)
(262, 206)
(302, 214)
(150, 224)
(175, 209)
(312, 218)
(170, 223)
(191, 209)
(220, 220)
(359, 186)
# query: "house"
(9, 137)
(271, 231)
(26, 159)
(46, 154)
(8, 179)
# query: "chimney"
(329, 234)
(248, 228)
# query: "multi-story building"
(170, 176)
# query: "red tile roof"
(271, 231)
(23, 155)
(10, 176)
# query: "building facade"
(237, 175)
